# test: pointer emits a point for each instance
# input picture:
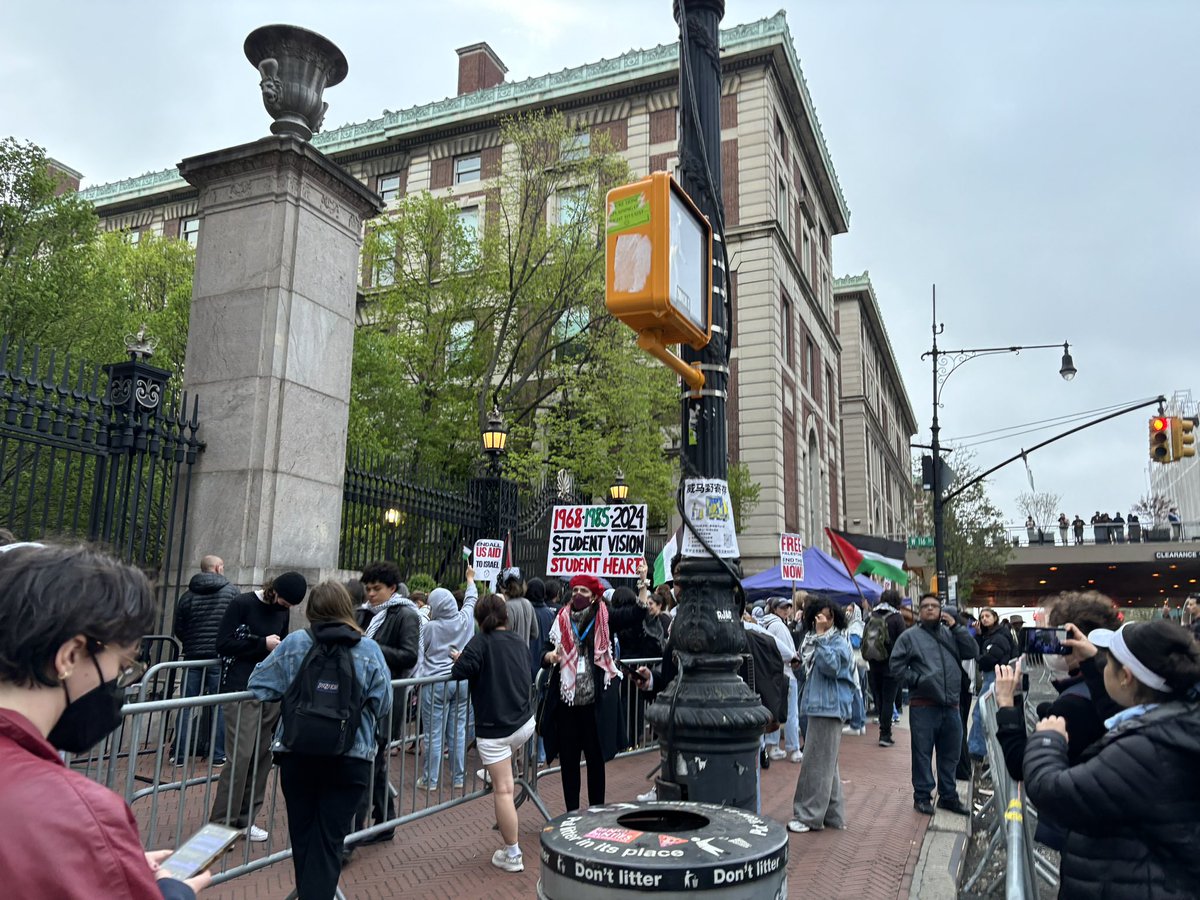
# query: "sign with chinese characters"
(710, 514)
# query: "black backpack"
(876, 639)
(323, 705)
(763, 672)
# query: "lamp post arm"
(978, 478)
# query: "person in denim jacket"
(322, 792)
(827, 701)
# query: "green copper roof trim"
(542, 89)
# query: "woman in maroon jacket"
(73, 619)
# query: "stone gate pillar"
(269, 349)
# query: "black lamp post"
(945, 364)
(618, 491)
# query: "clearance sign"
(606, 541)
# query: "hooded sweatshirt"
(448, 626)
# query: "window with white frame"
(468, 221)
(468, 168)
(575, 147)
(189, 230)
(383, 272)
(133, 236)
(572, 205)
(459, 344)
(389, 188)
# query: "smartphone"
(1046, 641)
(630, 670)
(200, 851)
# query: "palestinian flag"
(662, 565)
(867, 555)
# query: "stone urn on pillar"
(296, 66)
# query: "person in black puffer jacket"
(1131, 807)
(197, 618)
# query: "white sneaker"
(777, 753)
(797, 755)
(846, 729)
(797, 826)
(484, 775)
(650, 796)
(501, 860)
(256, 834)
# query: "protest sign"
(606, 541)
(488, 559)
(791, 557)
(707, 507)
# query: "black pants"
(321, 793)
(883, 689)
(375, 805)
(577, 734)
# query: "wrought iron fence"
(96, 453)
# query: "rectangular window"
(786, 333)
(829, 398)
(572, 205)
(383, 273)
(468, 221)
(467, 168)
(389, 188)
(572, 324)
(189, 230)
(781, 211)
(133, 236)
(810, 365)
(459, 344)
(575, 147)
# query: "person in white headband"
(1114, 643)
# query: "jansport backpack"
(876, 640)
(323, 704)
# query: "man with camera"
(928, 660)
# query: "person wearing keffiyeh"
(582, 715)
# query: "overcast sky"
(1036, 159)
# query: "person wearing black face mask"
(73, 621)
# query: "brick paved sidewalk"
(447, 856)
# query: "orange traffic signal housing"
(1183, 441)
(1160, 439)
(658, 268)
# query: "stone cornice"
(849, 286)
(550, 89)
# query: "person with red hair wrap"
(582, 713)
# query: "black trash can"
(673, 849)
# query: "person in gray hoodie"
(444, 704)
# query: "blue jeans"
(198, 682)
(444, 712)
(934, 728)
(976, 744)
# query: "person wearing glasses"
(73, 620)
(254, 624)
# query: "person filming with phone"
(73, 620)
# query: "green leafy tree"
(66, 287)
(975, 536)
(505, 309)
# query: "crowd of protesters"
(1111, 764)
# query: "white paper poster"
(791, 557)
(489, 557)
(607, 541)
(707, 507)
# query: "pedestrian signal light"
(1183, 441)
(1160, 439)
(658, 268)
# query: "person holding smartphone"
(73, 619)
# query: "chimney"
(478, 67)
(67, 178)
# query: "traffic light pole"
(708, 721)
(944, 364)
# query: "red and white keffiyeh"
(562, 635)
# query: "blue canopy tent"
(823, 574)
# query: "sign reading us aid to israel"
(605, 541)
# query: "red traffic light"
(1158, 423)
